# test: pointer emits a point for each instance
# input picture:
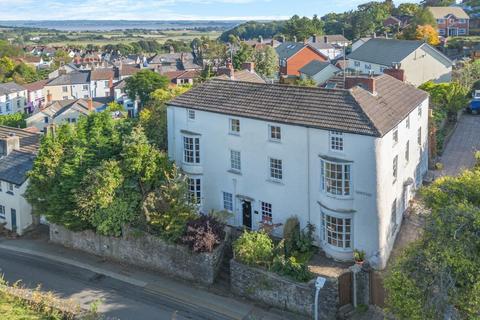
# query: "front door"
(247, 214)
(14, 220)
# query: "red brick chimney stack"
(396, 73)
(365, 82)
(90, 104)
(250, 66)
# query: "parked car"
(474, 106)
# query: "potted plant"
(359, 256)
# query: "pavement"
(126, 292)
(460, 149)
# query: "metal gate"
(345, 289)
(377, 290)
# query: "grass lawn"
(13, 310)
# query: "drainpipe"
(355, 269)
(319, 283)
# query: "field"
(13, 310)
(100, 38)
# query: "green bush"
(254, 249)
(290, 267)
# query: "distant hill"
(109, 25)
(254, 29)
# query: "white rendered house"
(347, 161)
(18, 148)
(13, 98)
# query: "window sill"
(274, 181)
(337, 197)
(274, 141)
(235, 172)
(234, 134)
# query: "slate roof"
(387, 51)
(14, 167)
(56, 108)
(288, 49)
(314, 67)
(74, 77)
(10, 87)
(353, 111)
(442, 12)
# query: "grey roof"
(14, 167)
(288, 49)
(243, 75)
(74, 77)
(314, 67)
(354, 111)
(10, 87)
(387, 51)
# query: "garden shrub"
(203, 234)
(254, 248)
(290, 267)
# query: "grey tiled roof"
(314, 67)
(288, 49)
(14, 167)
(385, 51)
(10, 87)
(75, 77)
(354, 111)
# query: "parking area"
(460, 150)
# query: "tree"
(266, 61)
(428, 34)
(244, 54)
(16, 120)
(143, 83)
(153, 118)
(449, 97)
(440, 274)
(7, 66)
(469, 74)
(438, 3)
(306, 82)
(407, 9)
(302, 28)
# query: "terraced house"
(68, 86)
(13, 98)
(18, 148)
(345, 160)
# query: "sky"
(170, 9)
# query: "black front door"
(247, 214)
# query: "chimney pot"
(90, 104)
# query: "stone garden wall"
(144, 250)
(281, 292)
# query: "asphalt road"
(119, 300)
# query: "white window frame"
(10, 188)
(272, 135)
(235, 160)
(407, 122)
(191, 114)
(336, 141)
(395, 136)
(194, 152)
(333, 232)
(407, 152)
(419, 111)
(419, 136)
(266, 208)
(395, 168)
(234, 128)
(344, 186)
(227, 201)
(393, 219)
(275, 169)
(195, 193)
(3, 211)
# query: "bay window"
(336, 178)
(191, 150)
(337, 232)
